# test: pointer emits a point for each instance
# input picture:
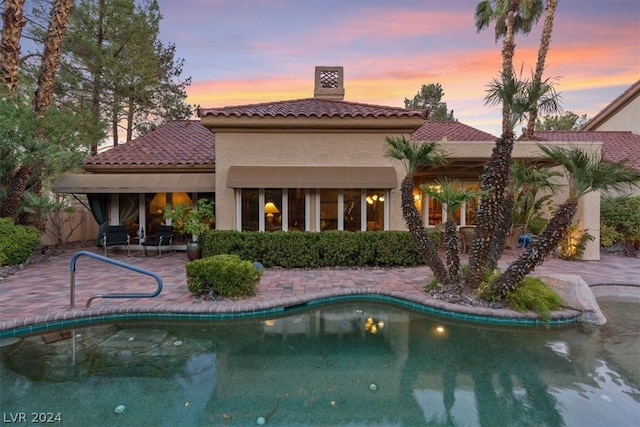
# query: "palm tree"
(12, 24)
(545, 42)
(51, 54)
(527, 181)
(452, 194)
(44, 92)
(585, 172)
(510, 16)
(415, 156)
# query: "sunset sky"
(250, 51)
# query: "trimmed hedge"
(300, 249)
(226, 275)
(17, 242)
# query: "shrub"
(533, 294)
(301, 249)
(608, 236)
(226, 275)
(574, 243)
(623, 215)
(17, 242)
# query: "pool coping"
(225, 309)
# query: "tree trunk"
(545, 42)
(502, 229)
(13, 23)
(416, 227)
(51, 55)
(495, 177)
(538, 251)
(11, 205)
(495, 180)
(452, 249)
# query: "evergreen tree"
(116, 72)
(429, 97)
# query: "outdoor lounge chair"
(512, 239)
(163, 237)
(115, 235)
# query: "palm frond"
(415, 155)
(451, 193)
(588, 171)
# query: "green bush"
(226, 275)
(536, 225)
(623, 215)
(301, 249)
(533, 294)
(608, 236)
(17, 242)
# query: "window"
(273, 209)
(352, 210)
(250, 209)
(375, 200)
(296, 209)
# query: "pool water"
(350, 364)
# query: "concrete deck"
(40, 293)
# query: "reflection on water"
(355, 364)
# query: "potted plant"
(198, 221)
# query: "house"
(311, 164)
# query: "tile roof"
(310, 107)
(451, 131)
(616, 145)
(177, 143)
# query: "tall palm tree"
(415, 156)
(585, 172)
(510, 16)
(51, 54)
(42, 101)
(543, 50)
(12, 24)
(452, 194)
(527, 181)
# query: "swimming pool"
(348, 364)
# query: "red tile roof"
(451, 131)
(310, 107)
(615, 145)
(177, 143)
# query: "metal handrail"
(72, 268)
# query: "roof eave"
(148, 169)
(307, 124)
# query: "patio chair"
(115, 235)
(163, 237)
(511, 240)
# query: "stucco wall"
(298, 149)
(626, 119)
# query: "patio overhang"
(312, 177)
(135, 183)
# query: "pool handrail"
(72, 268)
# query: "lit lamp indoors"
(270, 209)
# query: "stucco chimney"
(329, 83)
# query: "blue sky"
(248, 51)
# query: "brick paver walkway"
(40, 293)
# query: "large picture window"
(299, 209)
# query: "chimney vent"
(329, 83)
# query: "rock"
(576, 294)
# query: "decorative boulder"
(576, 294)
